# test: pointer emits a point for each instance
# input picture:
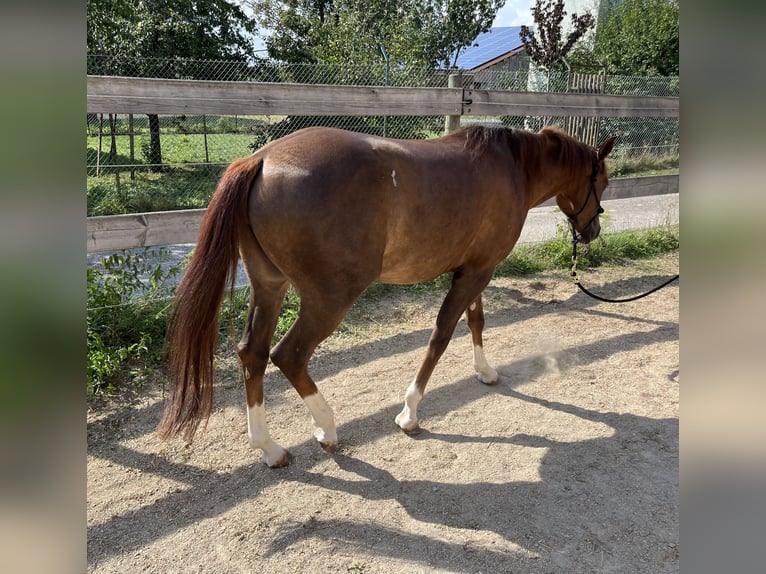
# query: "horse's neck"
(545, 175)
(538, 191)
(542, 183)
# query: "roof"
(489, 46)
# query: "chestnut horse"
(330, 211)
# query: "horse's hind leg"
(267, 290)
(475, 318)
(317, 319)
(253, 351)
(466, 288)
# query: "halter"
(576, 239)
(591, 191)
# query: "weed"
(127, 303)
(234, 312)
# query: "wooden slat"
(130, 231)
(503, 103)
(106, 94)
(173, 227)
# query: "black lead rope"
(576, 279)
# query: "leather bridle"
(591, 192)
(576, 239)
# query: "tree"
(409, 32)
(174, 29)
(458, 25)
(639, 38)
(546, 45)
(356, 38)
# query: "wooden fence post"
(451, 123)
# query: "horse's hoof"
(489, 381)
(409, 426)
(278, 461)
(328, 447)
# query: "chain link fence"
(128, 173)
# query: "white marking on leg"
(408, 418)
(324, 421)
(258, 435)
(473, 306)
(393, 177)
(486, 373)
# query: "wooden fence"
(119, 95)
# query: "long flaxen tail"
(192, 334)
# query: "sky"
(514, 13)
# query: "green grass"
(643, 165)
(556, 254)
(190, 183)
(612, 248)
(185, 187)
(176, 148)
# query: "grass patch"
(608, 249)
(127, 304)
(643, 165)
(179, 187)
(187, 180)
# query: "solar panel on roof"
(491, 44)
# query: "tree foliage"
(546, 45)
(109, 27)
(200, 29)
(203, 29)
(639, 38)
(408, 32)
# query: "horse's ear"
(606, 148)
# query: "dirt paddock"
(569, 464)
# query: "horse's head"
(582, 204)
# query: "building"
(494, 58)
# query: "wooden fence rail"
(118, 95)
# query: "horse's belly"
(405, 267)
(407, 276)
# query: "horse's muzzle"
(591, 232)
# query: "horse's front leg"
(466, 287)
(475, 318)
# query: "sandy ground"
(569, 464)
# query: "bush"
(128, 299)
(127, 303)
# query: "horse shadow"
(602, 504)
(629, 477)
